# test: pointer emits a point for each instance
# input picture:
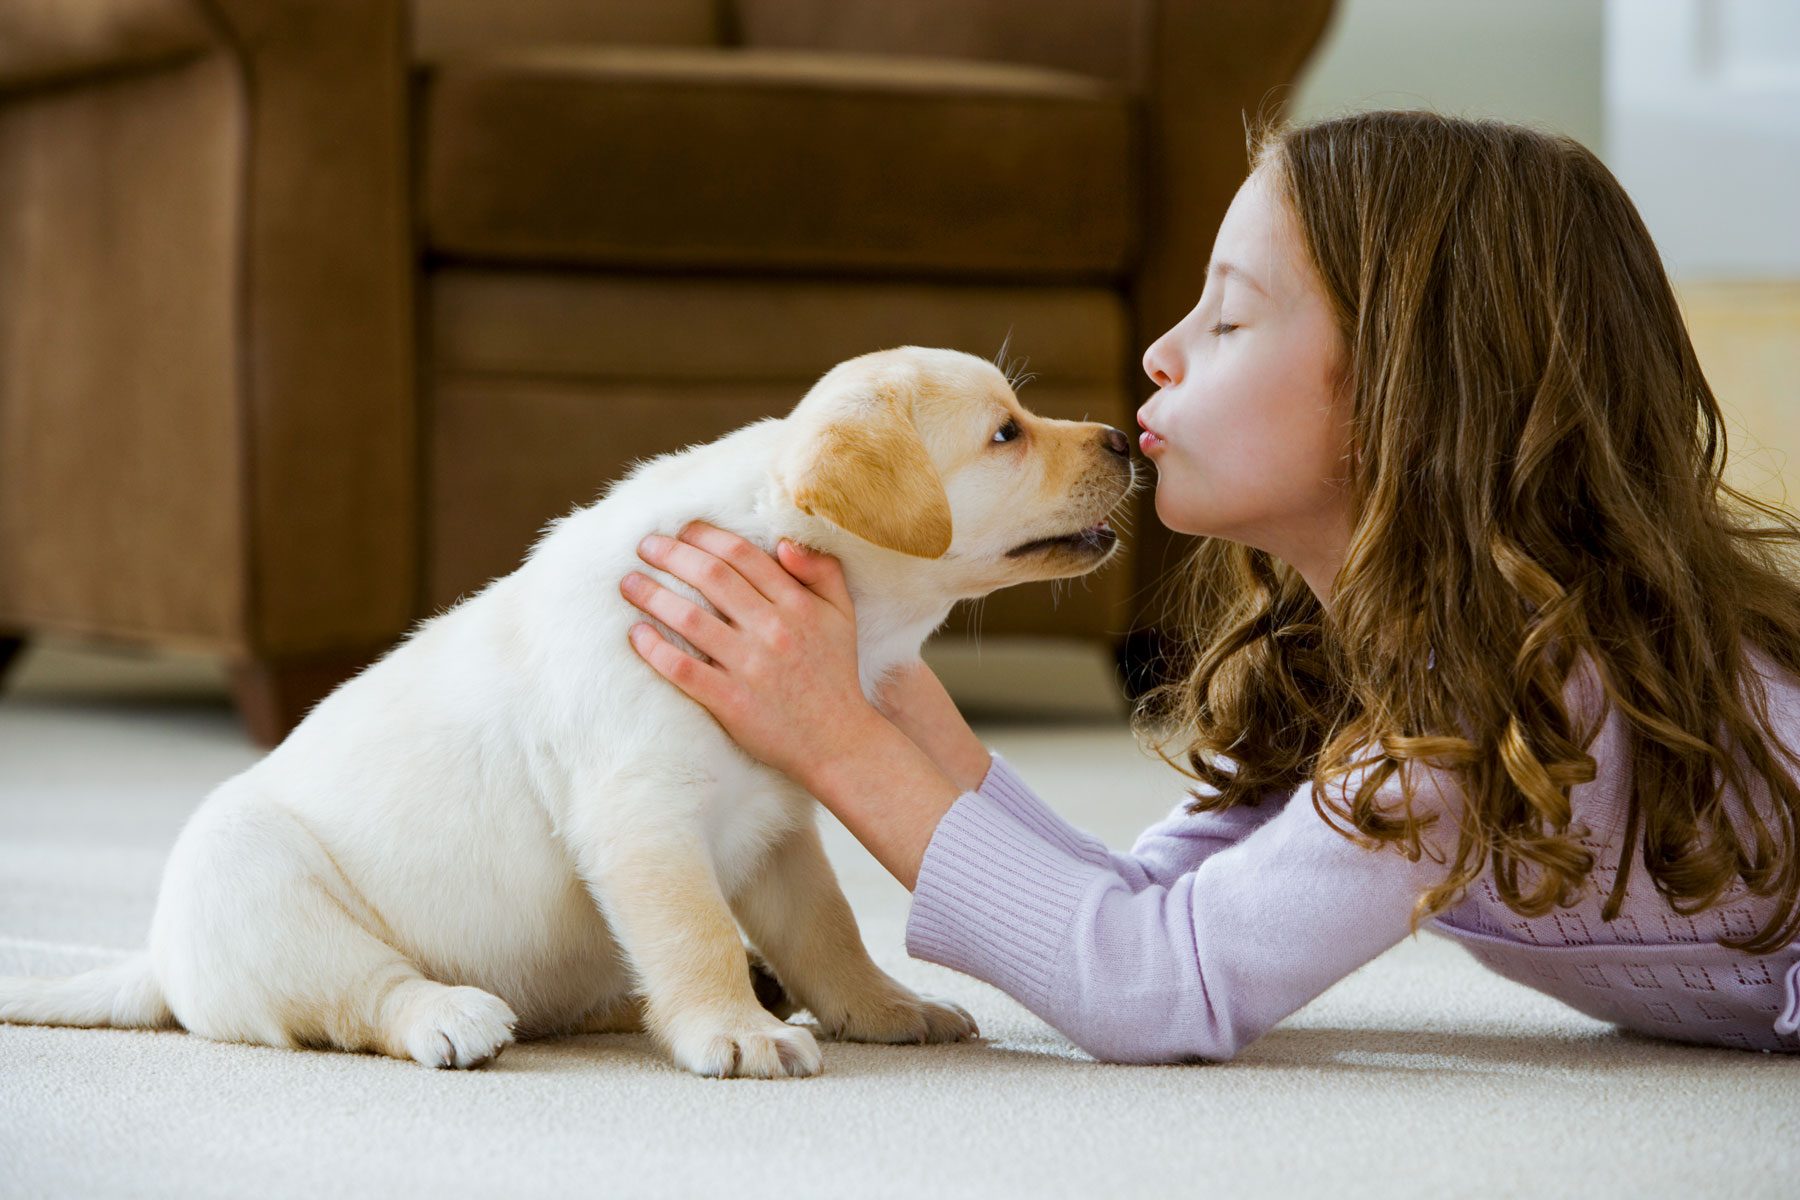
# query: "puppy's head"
(930, 454)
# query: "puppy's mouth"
(1096, 539)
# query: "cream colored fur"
(511, 826)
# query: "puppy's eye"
(1007, 432)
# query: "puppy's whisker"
(972, 625)
(1000, 357)
(1016, 374)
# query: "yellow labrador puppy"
(510, 826)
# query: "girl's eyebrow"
(1221, 268)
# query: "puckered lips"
(1148, 440)
(1095, 539)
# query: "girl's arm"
(1194, 969)
(916, 702)
(914, 699)
(1161, 854)
(1130, 969)
(1213, 929)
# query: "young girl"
(1479, 635)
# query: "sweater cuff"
(1004, 786)
(995, 900)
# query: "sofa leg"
(12, 648)
(273, 695)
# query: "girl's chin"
(1165, 507)
(1176, 517)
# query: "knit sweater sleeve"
(1188, 952)
(1162, 853)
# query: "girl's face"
(1249, 428)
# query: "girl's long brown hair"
(1536, 478)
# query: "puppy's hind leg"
(263, 939)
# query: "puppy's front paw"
(900, 1015)
(758, 1047)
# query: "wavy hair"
(1536, 478)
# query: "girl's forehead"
(1259, 238)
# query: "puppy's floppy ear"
(868, 473)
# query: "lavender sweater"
(1216, 926)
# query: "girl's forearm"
(916, 702)
(887, 792)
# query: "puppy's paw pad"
(460, 1027)
(759, 1049)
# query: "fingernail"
(651, 543)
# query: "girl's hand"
(783, 678)
(914, 699)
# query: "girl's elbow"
(1160, 1047)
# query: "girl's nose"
(1156, 364)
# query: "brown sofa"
(313, 312)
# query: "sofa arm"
(54, 42)
(326, 339)
(206, 299)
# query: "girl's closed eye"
(1222, 328)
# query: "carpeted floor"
(1422, 1074)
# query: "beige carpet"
(1422, 1074)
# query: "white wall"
(1536, 62)
(1694, 104)
(1703, 129)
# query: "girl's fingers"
(709, 634)
(711, 576)
(820, 572)
(746, 558)
(701, 683)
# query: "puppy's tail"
(122, 995)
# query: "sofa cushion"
(772, 159)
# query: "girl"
(1478, 635)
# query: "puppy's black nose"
(1117, 442)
